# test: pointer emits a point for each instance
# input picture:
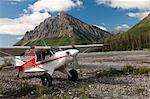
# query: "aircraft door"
(42, 55)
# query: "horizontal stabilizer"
(34, 69)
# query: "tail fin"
(18, 61)
(29, 64)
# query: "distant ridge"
(63, 29)
(138, 37)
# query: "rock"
(65, 25)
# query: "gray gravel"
(120, 87)
(115, 87)
(115, 59)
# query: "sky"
(19, 16)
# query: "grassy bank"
(127, 70)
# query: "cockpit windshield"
(42, 53)
(56, 49)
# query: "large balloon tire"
(46, 80)
(73, 75)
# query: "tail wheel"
(73, 75)
(46, 80)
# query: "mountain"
(117, 31)
(138, 37)
(63, 29)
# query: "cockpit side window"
(41, 54)
(48, 52)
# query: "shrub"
(25, 88)
(10, 91)
(127, 70)
(1, 66)
(132, 70)
(142, 70)
(1, 88)
(64, 96)
(139, 90)
(43, 97)
(110, 72)
(43, 91)
(55, 97)
(84, 91)
(7, 61)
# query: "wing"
(84, 48)
(17, 50)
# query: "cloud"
(122, 26)
(16, 0)
(79, 3)
(13, 2)
(34, 15)
(19, 38)
(126, 4)
(142, 7)
(101, 27)
(19, 26)
(54, 5)
(139, 15)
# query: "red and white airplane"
(46, 59)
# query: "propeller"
(75, 62)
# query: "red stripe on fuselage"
(50, 60)
(25, 66)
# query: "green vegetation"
(110, 72)
(1, 88)
(139, 90)
(127, 70)
(43, 97)
(22, 90)
(1, 66)
(10, 91)
(64, 39)
(138, 37)
(7, 62)
(63, 95)
(42, 91)
(132, 70)
(53, 41)
(84, 91)
(25, 88)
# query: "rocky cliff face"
(63, 26)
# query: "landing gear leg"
(18, 75)
(46, 80)
(73, 75)
(19, 70)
